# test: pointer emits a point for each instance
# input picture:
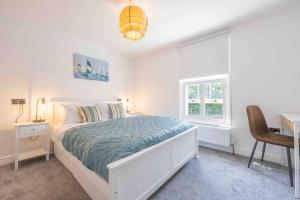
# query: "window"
(206, 99)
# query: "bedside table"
(132, 114)
(30, 129)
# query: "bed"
(136, 176)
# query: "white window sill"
(209, 123)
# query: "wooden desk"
(291, 121)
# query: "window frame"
(202, 118)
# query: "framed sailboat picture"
(90, 68)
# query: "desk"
(291, 121)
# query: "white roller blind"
(205, 58)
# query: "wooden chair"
(262, 133)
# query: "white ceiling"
(170, 21)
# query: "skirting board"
(5, 160)
(244, 152)
(257, 155)
(9, 159)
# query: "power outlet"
(17, 101)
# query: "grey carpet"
(39, 180)
(214, 176)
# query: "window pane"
(214, 97)
(194, 108)
(193, 91)
(194, 104)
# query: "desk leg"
(283, 149)
(296, 154)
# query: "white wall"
(265, 69)
(37, 61)
(157, 83)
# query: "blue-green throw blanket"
(98, 144)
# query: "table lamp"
(42, 101)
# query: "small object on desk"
(132, 114)
(28, 130)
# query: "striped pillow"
(117, 110)
(90, 113)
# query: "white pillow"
(71, 114)
(105, 111)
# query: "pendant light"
(133, 22)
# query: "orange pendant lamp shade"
(133, 23)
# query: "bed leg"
(196, 144)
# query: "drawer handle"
(33, 129)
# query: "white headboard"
(58, 101)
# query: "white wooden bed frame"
(134, 177)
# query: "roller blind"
(205, 58)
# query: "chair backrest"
(257, 122)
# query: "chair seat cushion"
(277, 139)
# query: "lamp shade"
(133, 23)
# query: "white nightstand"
(30, 129)
(132, 114)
